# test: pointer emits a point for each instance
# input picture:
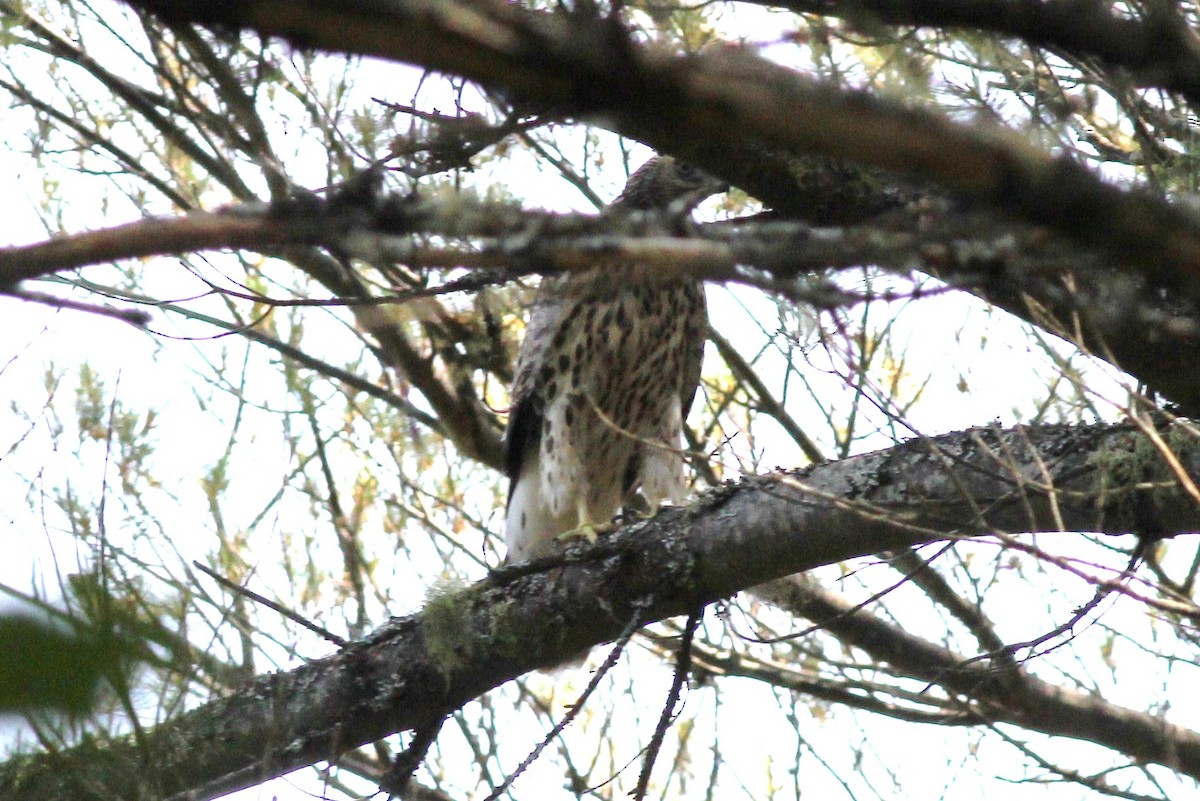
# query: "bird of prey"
(606, 375)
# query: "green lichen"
(447, 626)
(506, 631)
(1131, 468)
(513, 635)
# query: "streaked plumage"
(606, 375)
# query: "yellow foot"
(586, 532)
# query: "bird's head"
(666, 183)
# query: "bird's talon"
(588, 533)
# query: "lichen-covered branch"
(1157, 48)
(591, 69)
(466, 642)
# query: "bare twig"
(610, 661)
(135, 317)
(272, 605)
(396, 781)
(683, 664)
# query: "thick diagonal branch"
(714, 107)
(468, 642)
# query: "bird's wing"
(693, 361)
(525, 413)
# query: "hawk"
(606, 375)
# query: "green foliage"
(44, 666)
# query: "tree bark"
(1102, 478)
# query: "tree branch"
(988, 692)
(732, 100)
(467, 642)
(1119, 316)
(1157, 50)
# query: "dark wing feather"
(694, 361)
(524, 430)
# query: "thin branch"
(346, 377)
(766, 400)
(574, 709)
(135, 317)
(398, 777)
(296, 618)
(683, 666)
